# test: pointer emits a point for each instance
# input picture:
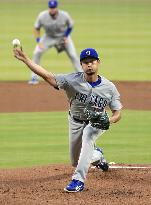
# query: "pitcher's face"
(90, 65)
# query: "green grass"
(119, 30)
(28, 139)
(32, 138)
(129, 140)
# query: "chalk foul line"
(128, 167)
(125, 167)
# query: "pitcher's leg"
(75, 140)
(89, 137)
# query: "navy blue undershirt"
(94, 84)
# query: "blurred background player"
(57, 25)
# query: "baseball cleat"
(33, 81)
(74, 186)
(103, 165)
(99, 149)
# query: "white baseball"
(16, 42)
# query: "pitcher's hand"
(19, 54)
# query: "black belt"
(78, 120)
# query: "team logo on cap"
(88, 53)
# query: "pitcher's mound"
(44, 186)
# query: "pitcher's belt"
(78, 120)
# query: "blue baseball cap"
(52, 3)
(89, 53)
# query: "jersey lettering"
(98, 101)
(94, 100)
(81, 97)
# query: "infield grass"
(119, 30)
(28, 139)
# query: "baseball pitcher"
(58, 26)
(89, 94)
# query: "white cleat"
(33, 82)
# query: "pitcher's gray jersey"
(80, 93)
(54, 27)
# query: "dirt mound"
(44, 185)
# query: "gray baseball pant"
(49, 42)
(82, 140)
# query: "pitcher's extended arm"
(47, 76)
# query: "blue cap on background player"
(52, 3)
(89, 53)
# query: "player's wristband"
(38, 39)
(67, 32)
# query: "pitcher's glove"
(60, 46)
(97, 119)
